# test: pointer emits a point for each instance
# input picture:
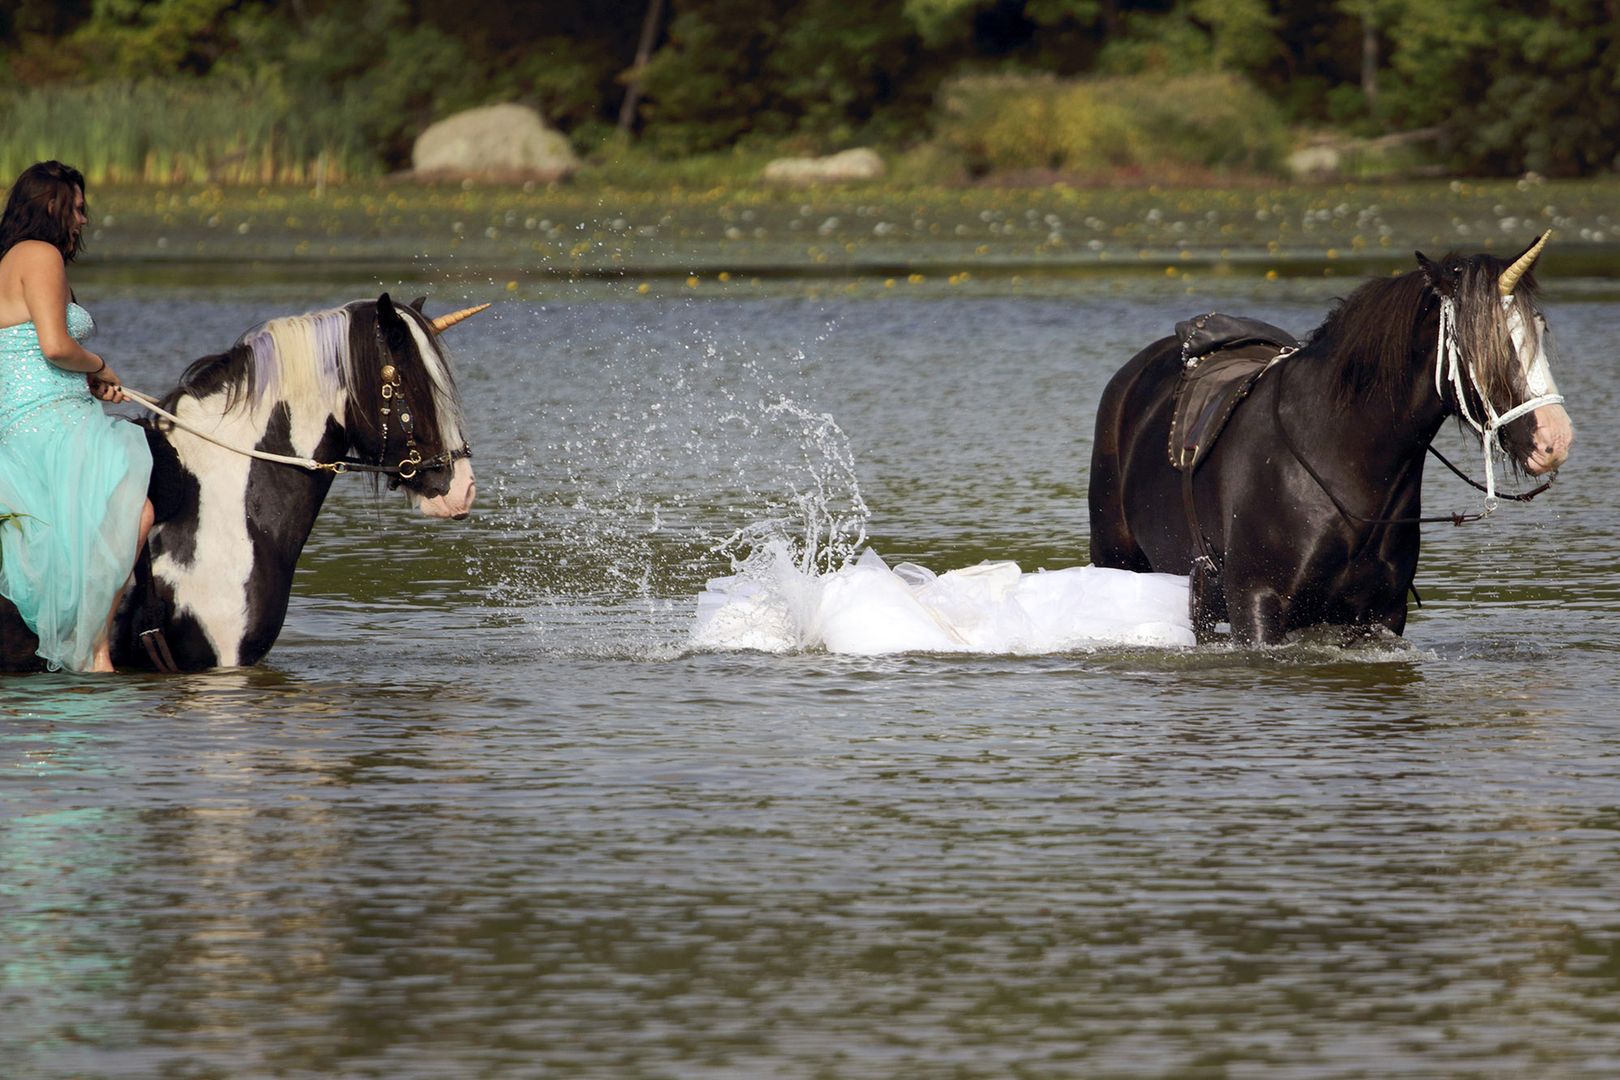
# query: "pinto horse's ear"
(392, 326)
(1438, 278)
(418, 302)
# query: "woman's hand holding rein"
(105, 383)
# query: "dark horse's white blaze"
(224, 552)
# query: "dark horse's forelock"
(1484, 336)
(1370, 335)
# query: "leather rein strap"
(409, 466)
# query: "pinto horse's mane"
(1369, 336)
(324, 357)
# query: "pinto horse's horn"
(1510, 277)
(445, 322)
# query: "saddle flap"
(1208, 394)
(1221, 357)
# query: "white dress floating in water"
(868, 609)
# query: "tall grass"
(180, 131)
(1107, 125)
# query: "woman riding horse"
(250, 444)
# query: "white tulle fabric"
(870, 609)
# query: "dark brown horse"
(1304, 511)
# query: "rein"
(409, 466)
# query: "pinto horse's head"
(1500, 342)
(403, 408)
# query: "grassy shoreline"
(520, 235)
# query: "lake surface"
(483, 813)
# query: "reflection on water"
(486, 814)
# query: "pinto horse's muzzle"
(457, 500)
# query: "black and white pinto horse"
(364, 387)
(1306, 511)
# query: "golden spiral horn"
(445, 322)
(1510, 277)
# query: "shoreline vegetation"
(1018, 137)
(272, 91)
(1016, 130)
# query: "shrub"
(1096, 126)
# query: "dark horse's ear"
(392, 326)
(1439, 280)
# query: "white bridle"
(1449, 367)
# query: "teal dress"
(72, 483)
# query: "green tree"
(135, 38)
(1533, 87)
(1242, 33)
(728, 69)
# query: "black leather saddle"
(1222, 356)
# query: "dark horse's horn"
(445, 322)
(1510, 277)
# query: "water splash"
(670, 457)
(867, 608)
(820, 526)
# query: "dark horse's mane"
(1369, 335)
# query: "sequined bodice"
(29, 383)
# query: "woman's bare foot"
(103, 658)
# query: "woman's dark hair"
(40, 207)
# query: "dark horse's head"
(1492, 350)
(1475, 317)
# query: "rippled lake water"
(482, 813)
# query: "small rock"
(851, 166)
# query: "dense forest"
(1498, 89)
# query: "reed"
(181, 131)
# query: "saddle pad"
(1208, 394)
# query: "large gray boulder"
(497, 142)
(851, 166)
